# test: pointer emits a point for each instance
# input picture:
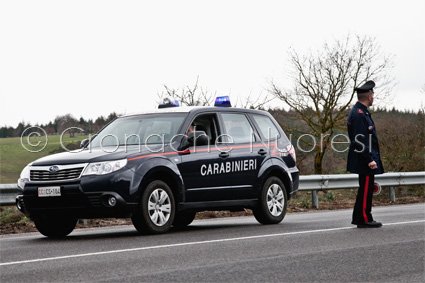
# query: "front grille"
(60, 175)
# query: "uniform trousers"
(362, 212)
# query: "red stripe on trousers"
(366, 187)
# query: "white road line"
(195, 243)
(401, 223)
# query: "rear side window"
(266, 127)
(237, 128)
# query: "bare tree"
(255, 102)
(189, 96)
(324, 85)
(198, 96)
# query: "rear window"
(266, 127)
(238, 128)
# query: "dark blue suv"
(160, 168)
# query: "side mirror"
(84, 143)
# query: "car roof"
(198, 109)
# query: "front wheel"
(272, 202)
(156, 210)
(54, 226)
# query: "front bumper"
(75, 201)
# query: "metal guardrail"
(313, 183)
(8, 193)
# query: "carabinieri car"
(163, 167)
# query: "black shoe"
(371, 224)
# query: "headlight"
(24, 177)
(102, 168)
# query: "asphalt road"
(314, 246)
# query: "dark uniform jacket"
(364, 147)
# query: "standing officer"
(363, 155)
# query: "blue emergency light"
(169, 102)
(222, 101)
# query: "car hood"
(92, 155)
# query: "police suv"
(160, 168)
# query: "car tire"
(54, 226)
(272, 204)
(156, 211)
(184, 218)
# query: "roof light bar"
(222, 101)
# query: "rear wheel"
(156, 210)
(272, 202)
(54, 226)
(184, 218)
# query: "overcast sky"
(90, 58)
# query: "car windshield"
(139, 130)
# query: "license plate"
(49, 191)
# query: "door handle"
(262, 151)
(224, 154)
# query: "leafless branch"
(324, 82)
(189, 95)
(255, 102)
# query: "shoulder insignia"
(360, 111)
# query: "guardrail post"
(391, 194)
(314, 199)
